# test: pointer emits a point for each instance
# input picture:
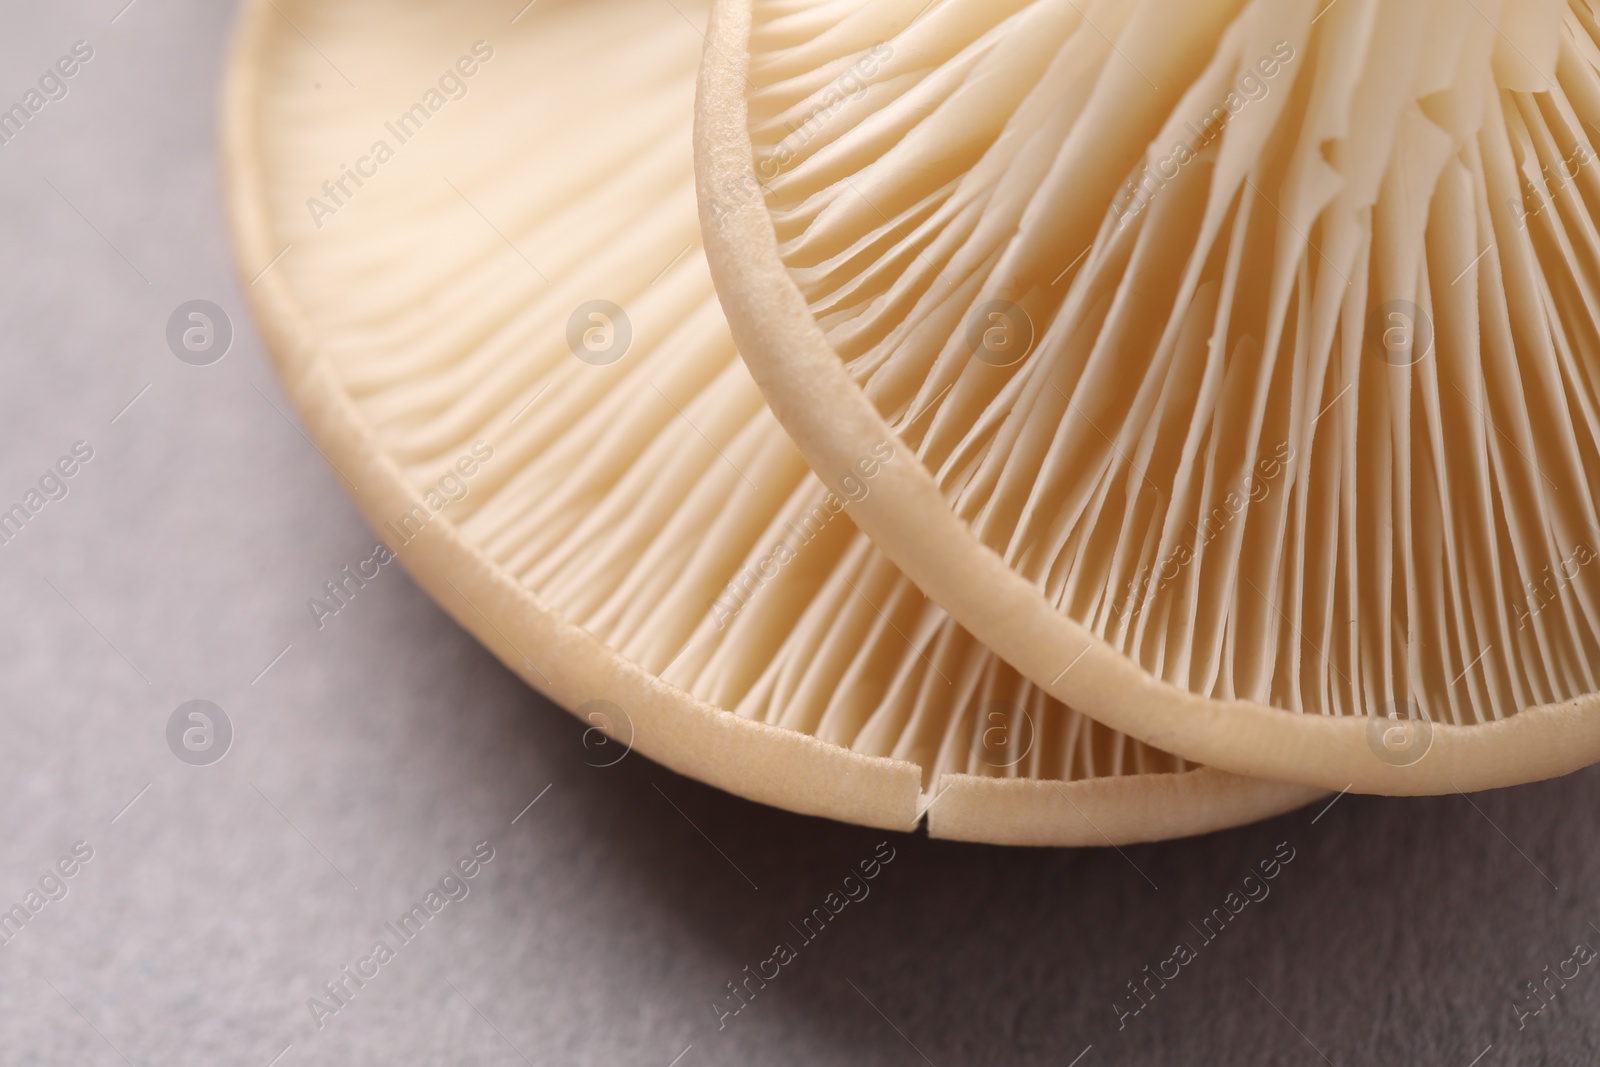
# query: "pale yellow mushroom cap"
(1248, 350)
(517, 279)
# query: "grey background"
(375, 753)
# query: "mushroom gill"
(1248, 343)
(645, 544)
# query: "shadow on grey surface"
(1398, 931)
(1402, 931)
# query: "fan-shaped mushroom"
(490, 249)
(1248, 350)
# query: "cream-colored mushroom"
(641, 533)
(1247, 348)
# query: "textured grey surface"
(374, 754)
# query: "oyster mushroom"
(1248, 353)
(519, 280)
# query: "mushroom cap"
(1249, 354)
(615, 538)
